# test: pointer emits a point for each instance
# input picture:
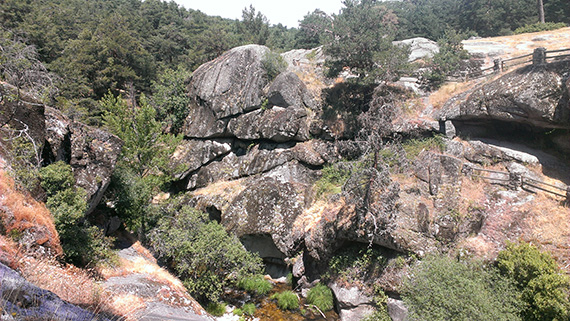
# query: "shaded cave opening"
(273, 258)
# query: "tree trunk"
(540, 5)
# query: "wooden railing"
(515, 181)
(540, 56)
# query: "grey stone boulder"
(229, 85)
(202, 123)
(25, 115)
(270, 205)
(258, 159)
(285, 124)
(277, 124)
(91, 152)
(288, 90)
(190, 155)
(94, 154)
(397, 310)
(356, 314)
(538, 96)
(348, 298)
(420, 48)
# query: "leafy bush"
(238, 312)
(447, 61)
(216, 309)
(286, 300)
(543, 285)
(445, 289)
(82, 243)
(536, 27)
(331, 181)
(201, 252)
(249, 309)
(321, 296)
(273, 64)
(256, 284)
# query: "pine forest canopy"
(125, 46)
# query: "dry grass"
(438, 98)
(522, 44)
(20, 212)
(228, 189)
(70, 283)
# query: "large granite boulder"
(420, 48)
(533, 95)
(229, 85)
(190, 155)
(91, 152)
(277, 124)
(288, 90)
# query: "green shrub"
(331, 181)
(321, 296)
(201, 252)
(273, 64)
(442, 288)
(256, 284)
(286, 300)
(536, 27)
(216, 309)
(56, 177)
(238, 312)
(249, 309)
(543, 284)
(447, 61)
(82, 243)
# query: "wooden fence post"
(498, 65)
(539, 56)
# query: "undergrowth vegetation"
(321, 296)
(442, 288)
(286, 300)
(255, 284)
(536, 27)
(83, 244)
(201, 252)
(356, 262)
(332, 179)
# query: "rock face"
(22, 300)
(91, 152)
(232, 83)
(538, 96)
(420, 48)
(233, 98)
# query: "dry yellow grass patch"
(229, 188)
(70, 283)
(438, 98)
(312, 216)
(126, 305)
(522, 44)
(20, 212)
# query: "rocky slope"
(34, 285)
(255, 148)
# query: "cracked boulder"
(91, 152)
